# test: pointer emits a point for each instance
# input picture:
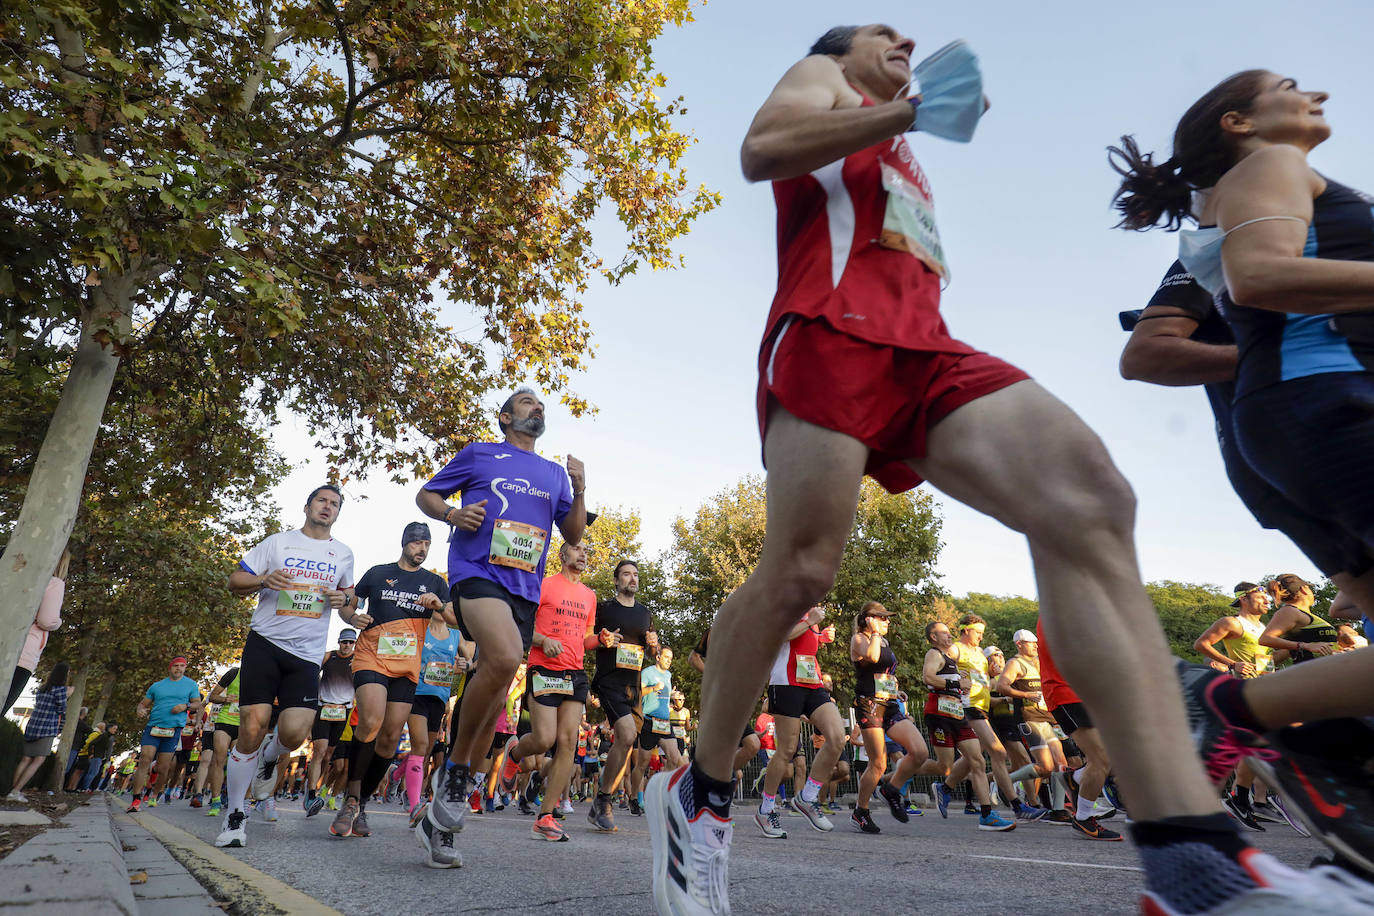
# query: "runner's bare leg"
(1078, 514)
(813, 491)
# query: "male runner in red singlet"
(859, 375)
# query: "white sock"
(1025, 773)
(271, 749)
(766, 803)
(238, 775)
(1085, 808)
(1078, 774)
(811, 791)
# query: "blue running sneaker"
(994, 821)
(942, 798)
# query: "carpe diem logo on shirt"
(515, 485)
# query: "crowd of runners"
(471, 692)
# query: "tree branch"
(352, 103)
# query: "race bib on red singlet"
(909, 218)
(948, 706)
(808, 671)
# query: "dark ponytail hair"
(58, 676)
(1151, 195)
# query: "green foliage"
(271, 197)
(1005, 614)
(889, 558)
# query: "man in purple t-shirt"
(511, 500)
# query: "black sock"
(360, 759)
(1242, 794)
(1228, 695)
(310, 794)
(376, 772)
(706, 792)
(860, 812)
(1348, 740)
(1216, 830)
(986, 810)
(1191, 862)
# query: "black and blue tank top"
(1280, 346)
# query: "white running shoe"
(1325, 890)
(269, 808)
(812, 813)
(565, 807)
(691, 857)
(438, 844)
(235, 832)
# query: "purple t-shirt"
(526, 496)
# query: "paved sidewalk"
(78, 867)
(85, 866)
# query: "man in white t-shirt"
(297, 576)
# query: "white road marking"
(1056, 862)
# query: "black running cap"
(415, 531)
(1241, 590)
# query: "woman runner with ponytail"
(1289, 254)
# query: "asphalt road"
(929, 865)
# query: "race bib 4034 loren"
(517, 545)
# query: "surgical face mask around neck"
(1199, 250)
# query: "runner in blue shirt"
(511, 499)
(165, 704)
(656, 687)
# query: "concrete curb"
(231, 877)
(79, 867)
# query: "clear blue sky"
(1039, 275)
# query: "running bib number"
(438, 673)
(404, 645)
(161, 731)
(948, 706)
(884, 687)
(679, 731)
(1059, 733)
(333, 712)
(808, 670)
(229, 709)
(978, 677)
(301, 601)
(661, 727)
(631, 657)
(909, 221)
(517, 545)
(547, 685)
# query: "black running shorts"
(268, 672)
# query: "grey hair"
(509, 405)
(837, 41)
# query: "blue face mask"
(1199, 250)
(951, 89)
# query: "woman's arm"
(1264, 262)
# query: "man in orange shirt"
(564, 628)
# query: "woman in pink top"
(49, 618)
